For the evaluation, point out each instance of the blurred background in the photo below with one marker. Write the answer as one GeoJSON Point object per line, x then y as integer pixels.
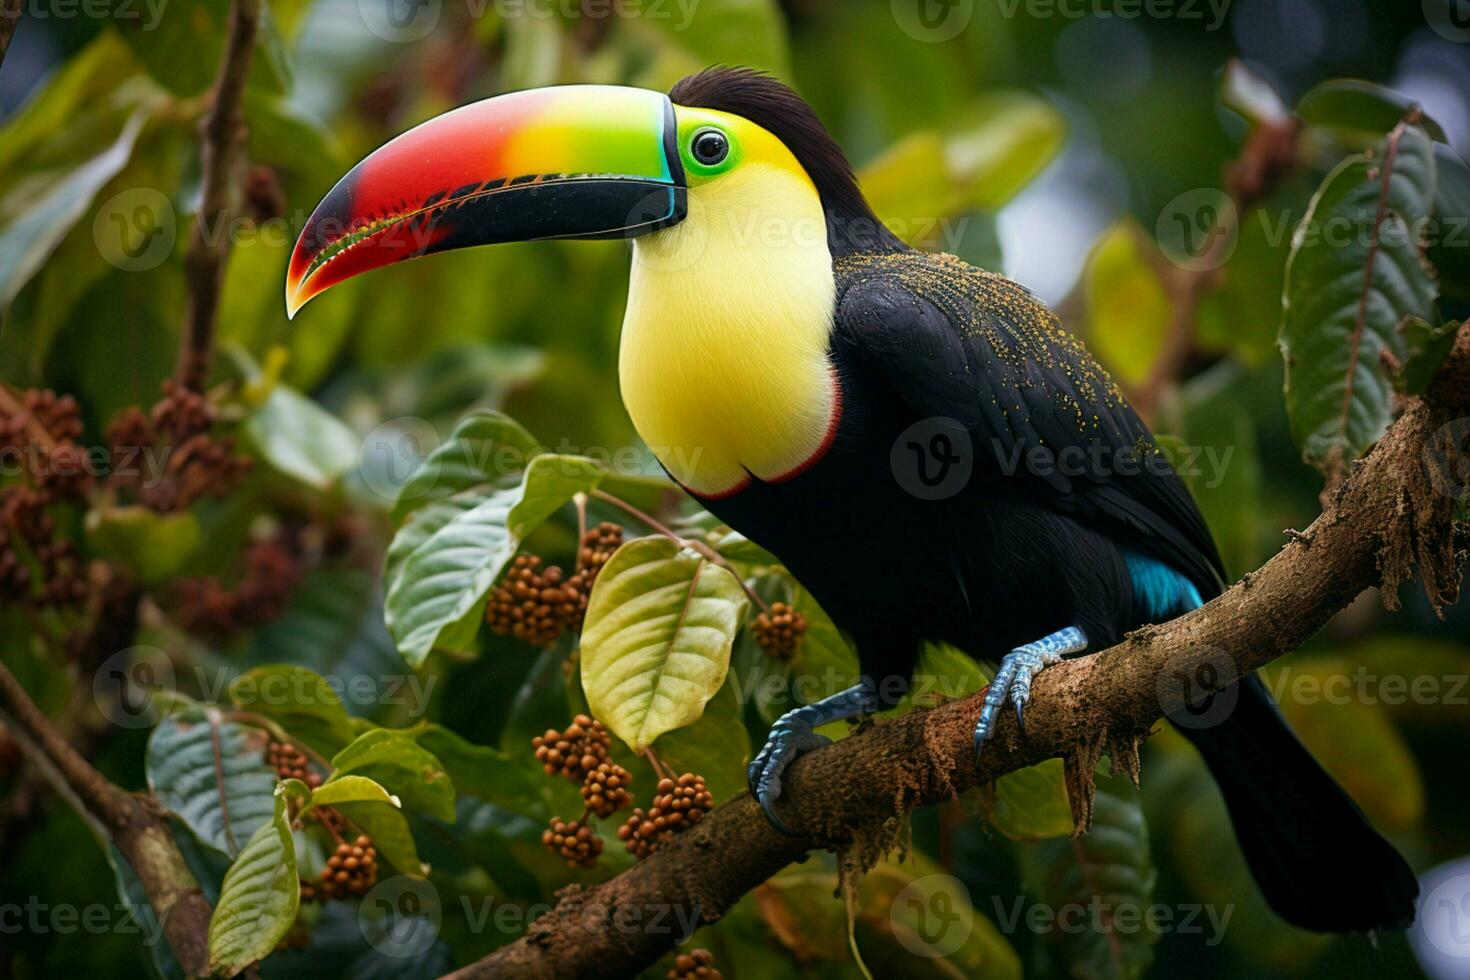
{"type": "Point", "coordinates": [1058, 141]}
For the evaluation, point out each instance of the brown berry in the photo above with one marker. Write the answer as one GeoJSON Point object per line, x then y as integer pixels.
{"type": "Point", "coordinates": [778, 630]}
{"type": "Point", "coordinates": [573, 840]}
{"type": "Point", "coordinates": [575, 752]}
{"type": "Point", "coordinates": [605, 790]}
{"type": "Point", "coordinates": [697, 964]}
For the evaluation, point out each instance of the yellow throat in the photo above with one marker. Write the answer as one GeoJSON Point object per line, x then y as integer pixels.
{"type": "Point", "coordinates": [723, 363]}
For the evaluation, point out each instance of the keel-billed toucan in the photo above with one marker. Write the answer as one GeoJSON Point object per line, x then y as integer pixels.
{"type": "Point", "coordinates": [918, 440]}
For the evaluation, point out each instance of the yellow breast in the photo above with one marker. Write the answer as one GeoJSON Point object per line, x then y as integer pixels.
{"type": "Point", "coordinates": [723, 363]}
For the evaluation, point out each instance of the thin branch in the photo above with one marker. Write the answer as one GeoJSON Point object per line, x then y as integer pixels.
{"type": "Point", "coordinates": [1397, 510]}
{"type": "Point", "coordinates": [134, 822]}
{"type": "Point", "coordinates": [222, 162]}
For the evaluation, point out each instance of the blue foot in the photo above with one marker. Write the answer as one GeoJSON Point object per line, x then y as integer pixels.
{"type": "Point", "coordinates": [1013, 678]}
{"type": "Point", "coordinates": [794, 733]}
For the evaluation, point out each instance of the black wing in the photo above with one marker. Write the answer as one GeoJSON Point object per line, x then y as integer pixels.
{"type": "Point", "coordinates": [954, 341]}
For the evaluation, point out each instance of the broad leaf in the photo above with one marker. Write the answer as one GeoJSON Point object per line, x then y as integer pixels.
{"type": "Point", "coordinates": [1110, 869]}
{"type": "Point", "coordinates": [485, 771]}
{"type": "Point", "coordinates": [153, 546]}
{"type": "Point", "coordinates": [1359, 112]}
{"type": "Point", "coordinates": [35, 233]}
{"type": "Point", "coordinates": [352, 789]}
{"type": "Point", "coordinates": [406, 769]}
{"type": "Point", "coordinates": [657, 638]}
{"type": "Point", "coordinates": [1127, 308]}
{"type": "Point", "coordinates": [259, 898]}
{"type": "Point", "coordinates": [1356, 272]}
{"type": "Point", "coordinates": [302, 440]}
{"type": "Point", "coordinates": [1029, 804]}
{"type": "Point", "coordinates": [299, 700]}
{"type": "Point", "coordinates": [436, 594]}
{"type": "Point", "coordinates": [483, 447]}
{"type": "Point", "coordinates": [213, 774]}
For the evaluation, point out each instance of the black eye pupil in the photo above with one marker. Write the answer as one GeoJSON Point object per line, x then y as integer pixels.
{"type": "Point", "coordinates": [710, 147]}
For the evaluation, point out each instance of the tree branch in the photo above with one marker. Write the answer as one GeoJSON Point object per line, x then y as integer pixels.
{"type": "Point", "coordinates": [222, 159]}
{"type": "Point", "coordinates": [1395, 512]}
{"type": "Point", "coordinates": [135, 823]}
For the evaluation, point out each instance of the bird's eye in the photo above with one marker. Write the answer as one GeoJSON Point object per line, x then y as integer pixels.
{"type": "Point", "coordinates": [709, 147]}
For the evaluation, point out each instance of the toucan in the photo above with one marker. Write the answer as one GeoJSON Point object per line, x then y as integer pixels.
{"type": "Point", "coordinates": [919, 441]}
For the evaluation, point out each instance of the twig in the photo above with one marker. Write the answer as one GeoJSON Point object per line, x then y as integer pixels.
{"type": "Point", "coordinates": [694, 544]}
{"type": "Point", "coordinates": [222, 158]}
{"type": "Point", "coordinates": [135, 823]}
{"type": "Point", "coordinates": [1394, 511]}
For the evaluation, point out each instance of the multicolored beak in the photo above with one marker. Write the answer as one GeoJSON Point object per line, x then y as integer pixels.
{"type": "Point", "coordinates": [572, 161]}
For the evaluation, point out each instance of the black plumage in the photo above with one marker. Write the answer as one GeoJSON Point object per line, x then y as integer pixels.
{"type": "Point", "coordinates": [937, 360]}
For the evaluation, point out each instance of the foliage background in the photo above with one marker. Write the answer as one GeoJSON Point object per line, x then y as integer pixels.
{"type": "Point", "coordinates": [1123, 112]}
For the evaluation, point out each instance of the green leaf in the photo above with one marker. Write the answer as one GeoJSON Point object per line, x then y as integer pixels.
{"type": "Point", "coordinates": [1029, 804]}
{"type": "Point", "coordinates": [1128, 309]}
{"type": "Point", "coordinates": [483, 447]}
{"type": "Point", "coordinates": [213, 774]}
{"type": "Point", "coordinates": [32, 235]}
{"type": "Point", "coordinates": [656, 642]}
{"type": "Point", "coordinates": [991, 150]}
{"type": "Point", "coordinates": [712, 32]}
{"type": "Point", "coordinates": [1449, 245]}
{"type": "Point", "coordinates": [259, 898]}
{"type": "Point", "coordinates": [1358, 111]}
{"type": "Point", "coordinates": [352, 789]}
{"type": "Point", "coordinates": [485, 771]}
{"type": "Point", "coordinates": [716, 746]}
{"type": "Point", "coordinates": [395, 760]}
{"type": "Point", "coordinates": [299, 700]}
{"type": "Point", "coordinates": [1251, 95]}
{"type": "Point", "coordinates": [387, 826]}
{"type": "Point", "coordinates": [302, 440]}
{"type": "Point", "coordinates": [1350, 282]}
{"type": "Point", "coordinates": [1109, 868]}
{"type": "Point", "coordinates": [153, 546]}
{"type": "Point", "coordinates": [437, 592]}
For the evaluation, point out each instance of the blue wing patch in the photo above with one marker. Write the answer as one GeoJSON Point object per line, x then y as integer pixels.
{"type": "Point", "coordinates": [1159, 591]}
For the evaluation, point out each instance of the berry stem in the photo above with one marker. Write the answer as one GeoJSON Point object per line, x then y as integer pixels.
{"type": "Point", "coordinates": [655, 524]}
{"type": "Point", "coordinates": [660, 770]}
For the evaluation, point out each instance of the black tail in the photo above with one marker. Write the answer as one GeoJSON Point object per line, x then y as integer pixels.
{"type": "Point", "coordinates": [1319, 862]}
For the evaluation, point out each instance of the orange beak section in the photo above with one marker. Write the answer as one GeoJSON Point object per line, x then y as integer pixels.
{"type": "Point", "coordinates": [574, 161]}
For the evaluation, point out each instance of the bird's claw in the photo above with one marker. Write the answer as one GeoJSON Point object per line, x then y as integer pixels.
{"type": "Point", "coordinates": [787, 740]}
{"type": "Point", "coordinates": [1013, 679]}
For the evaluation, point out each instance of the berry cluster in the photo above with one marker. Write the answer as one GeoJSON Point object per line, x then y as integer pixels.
{"type": "Point", "coordinates": [574, 840]}
{"type": "Point", "coordinates": [351, 871]}
{"type": "Point", "coordinates": [39, 430]}
{"type": "Point", "coordinates": [697, 964]}
{"type": "Point", "coordinates": [210, 608]}
{"type": "Point", "coordinates": [170, 457]}
{"type": "Point", "coordinates": [605, 790]}
{"type": "Point", "coordinates": [536, 602]}
{"type": "Point", "coordinates": [582, 748]}
{"type": "Point", "coordinates": [778, 630]}
{"type": "Point", "coordinates": [677, 804]}
{"type": "Point", "coordinates": [290, 762]}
